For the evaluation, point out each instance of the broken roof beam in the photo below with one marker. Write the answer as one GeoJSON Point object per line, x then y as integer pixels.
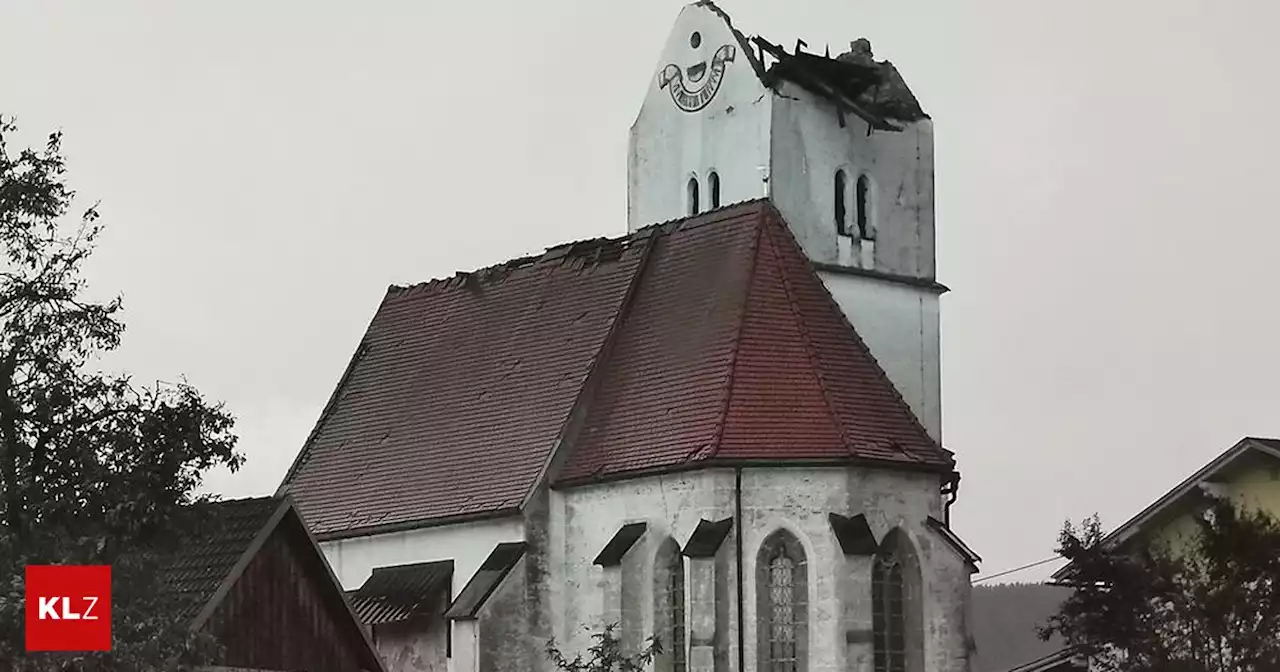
{"type": "Point", "coordinates": [842, 101]}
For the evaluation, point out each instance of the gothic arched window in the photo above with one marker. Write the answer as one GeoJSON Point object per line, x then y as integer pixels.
{"type": "Point", "coordinates": [693, 195]}
{"type": "Point", "coordinates": [896, 608]}
{"type": "Point", "coordinates": [669, 607]}
{"type": "Point", "coordinates": [782, 601]}
{"type": "Point", "coordinates": [841, 206]}
{"type": "Point", "coordinates": [713, 186]}
{"type": "Point", "coordinates": [862, 197]}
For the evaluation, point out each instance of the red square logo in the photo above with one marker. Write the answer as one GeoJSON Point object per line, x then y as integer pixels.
{"type": "Point", "coordinates": [68, 608]}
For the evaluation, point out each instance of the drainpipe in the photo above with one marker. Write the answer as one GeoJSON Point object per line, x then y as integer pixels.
{"type": "Point", "coordinates": [737, 531]}
{"type": "Point", "coordinates": [952, 490]}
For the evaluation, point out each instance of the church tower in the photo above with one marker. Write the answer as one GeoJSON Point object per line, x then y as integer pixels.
{"type": "Point", "coordinates": [838, 144]}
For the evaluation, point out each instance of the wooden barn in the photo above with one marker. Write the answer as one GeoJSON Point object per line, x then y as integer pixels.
{"type": "Point", "coordinates": [255, 579]}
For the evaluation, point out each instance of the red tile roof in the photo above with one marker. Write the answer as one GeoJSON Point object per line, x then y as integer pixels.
{"type": "Point", "coordinates": [460, 390]}
{"type": "Point", "coordinates": [708, 340]}
{"type": "Point", "coordinates": [733, 350]}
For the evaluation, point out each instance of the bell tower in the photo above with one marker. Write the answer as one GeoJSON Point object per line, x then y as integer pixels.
{"type": "Point", "coordinates": [840, 146]}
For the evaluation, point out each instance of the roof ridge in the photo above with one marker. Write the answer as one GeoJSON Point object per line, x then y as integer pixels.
{"type": "Point", "coordinates": [812, 352]}
{"type": "Point", "coordinates": [737, 342]}
{"type": "Point", "coordinates": [580, 248]}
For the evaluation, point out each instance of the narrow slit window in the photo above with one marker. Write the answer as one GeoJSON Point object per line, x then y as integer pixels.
{"type": "Point", "coordinates": [693, 196]}
{"type": "Point", "coordinates": [713, 185]}
{"type": "Point", "coordinates": [842, 220]}
{"type": "Point", "coordinates": [669, 617]}
{"type": "Point", "coordinates": [866, 229]}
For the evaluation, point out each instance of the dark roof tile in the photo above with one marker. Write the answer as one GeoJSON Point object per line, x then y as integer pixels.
{"type": "Point", "coordinates": [461, 390]}
{"type": "Point", "coordinates": [208, 552]}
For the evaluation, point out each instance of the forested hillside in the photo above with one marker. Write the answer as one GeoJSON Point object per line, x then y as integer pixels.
{"type": "Point", "coordinates": [1005, 618]}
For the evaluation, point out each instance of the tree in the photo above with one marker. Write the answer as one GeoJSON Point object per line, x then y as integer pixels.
{"type": "Point", "coordinates": [94, 469]}
{"type": "Point", "coordinates": [605, 655]}
{"type": "Point", "coordinates": [1211, 604]}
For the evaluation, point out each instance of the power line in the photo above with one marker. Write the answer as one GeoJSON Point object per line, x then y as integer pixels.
{"type": "Point", "coordinates": [1018, 569]}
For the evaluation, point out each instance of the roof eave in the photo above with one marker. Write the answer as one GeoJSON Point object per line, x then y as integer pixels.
{"type": "Point", "coordinates": [417, 524]}
{"type": "Point", "coordinates": [1134, 525]}
{"type": "Point", "coordinates": [751, 463]}
{"type": "Point", "coordinates": [923, 283]}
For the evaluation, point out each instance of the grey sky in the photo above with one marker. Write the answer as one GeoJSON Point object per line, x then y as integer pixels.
{"type": "Point", "coordinates": [1103, 171]}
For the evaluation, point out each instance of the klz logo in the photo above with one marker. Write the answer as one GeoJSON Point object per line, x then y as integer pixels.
{"type": "Point", "coordinates": [68, 608]}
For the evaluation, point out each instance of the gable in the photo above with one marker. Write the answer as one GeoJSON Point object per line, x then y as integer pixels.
{"type": "Point", "coordinates": [221, 535]}
{"type": "Point", "coordinates": [705, 65]}
{"type": "Point", "coordinates": [285, 611]}
{"type": "Point", "coordinates": [1248, 473]}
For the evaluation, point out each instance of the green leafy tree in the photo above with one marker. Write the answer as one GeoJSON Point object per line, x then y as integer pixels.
{"type": "Point", "coordinates": [1210, 605]}
{"type": "Point", "coordinates": [94, 469]}
{"type": "Point", "coordinates": [605, 654]}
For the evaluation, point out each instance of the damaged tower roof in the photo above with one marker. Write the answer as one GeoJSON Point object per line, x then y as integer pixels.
{"type": "Point", "coordinates": [853, 81]}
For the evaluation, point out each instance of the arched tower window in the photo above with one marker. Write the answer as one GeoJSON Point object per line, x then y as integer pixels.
{"type": "Point", "coordinates": [669, 608]}
{"type": "Point", "coordinates": [693, 195]}
{"type": "Point", "coordinates": [841, 205]}
{"type": "Point", "coordinates": [862, 196]}
{"type": "Point", "coordinates": [782, 601]}
{"type": "Point", "coordinates": [713, 186]}
{"type": "Point", "coordinates": [897, 624]}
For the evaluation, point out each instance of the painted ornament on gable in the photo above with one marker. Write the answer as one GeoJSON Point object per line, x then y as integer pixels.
{"type": "Point", "coordinates": [673, 79]}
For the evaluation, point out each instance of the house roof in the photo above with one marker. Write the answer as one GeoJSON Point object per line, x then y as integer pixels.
{"type": "Point", "coordinates": [704, 341]}
{"type": "Point", "coordinates": [209, 555]}
{"type": "Point", "coordinates": [204, 559]}
{"type": "Point", "coordinates": [1246, 448]}
{"type": "Point", "coordinates": [401, 592]}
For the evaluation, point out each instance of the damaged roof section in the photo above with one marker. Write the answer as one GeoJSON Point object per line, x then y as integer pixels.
{"type": "Point", "coordinates": [853, 81]}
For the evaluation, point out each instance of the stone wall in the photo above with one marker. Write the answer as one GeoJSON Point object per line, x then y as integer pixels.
{"type": "Point", "coordinates": [797, 500]}
{"type": "Point", "coordinates": [413, 646]}
{"type": "Point", "coordinates": [557, 591]}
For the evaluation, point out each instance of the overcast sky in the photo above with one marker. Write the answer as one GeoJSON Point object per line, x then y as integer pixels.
{"type": "Point", "coordinates": [1105, 174]}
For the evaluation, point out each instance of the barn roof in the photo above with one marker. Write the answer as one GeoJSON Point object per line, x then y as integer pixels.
{"type": "Point", "coordinates": [704, 341]}
{"type": "Point", "coordinates": [202, 564]}
{"type": "Point", "coordinates": [205, 557]}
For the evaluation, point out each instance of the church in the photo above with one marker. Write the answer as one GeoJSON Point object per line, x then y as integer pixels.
{"type": "Point", "coordinates": [722, 430]}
